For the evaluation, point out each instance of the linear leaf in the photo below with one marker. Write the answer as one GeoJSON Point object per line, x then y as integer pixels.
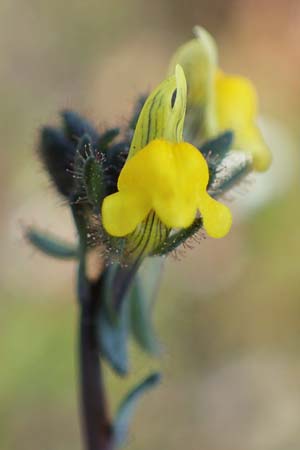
{"type": "Point", "coordinates": [128, 405]}
{"type": "Point", "coordinates": [51, 245]}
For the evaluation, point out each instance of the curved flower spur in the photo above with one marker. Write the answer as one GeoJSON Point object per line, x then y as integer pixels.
{"type": "Point", "coordinates": [191, 141]}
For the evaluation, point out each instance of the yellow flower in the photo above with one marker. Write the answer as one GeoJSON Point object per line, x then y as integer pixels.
{"type": "Point", "coordinates": [217, 102]}
{"type": "Point", "coordinates": [163, 183]}
{"type": "Point", "coordinates": [162, 117]}
{"type": "Point", "coordinates": [170, 179]}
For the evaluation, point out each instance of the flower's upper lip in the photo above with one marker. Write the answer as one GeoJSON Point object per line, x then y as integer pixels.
{"type": "Point", "coordinates": [161, 116]}
{"type": "Point", "coordinates": [208, 43]}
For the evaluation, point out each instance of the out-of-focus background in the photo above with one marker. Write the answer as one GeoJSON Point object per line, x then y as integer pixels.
{"type": "Point", "coordinates": [228, 314]}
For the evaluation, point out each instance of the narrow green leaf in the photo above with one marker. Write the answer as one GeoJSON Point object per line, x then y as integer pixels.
{"type": "Point", "coordinates": [51, 245]}
{"type": "Point", "coordinates": [118, 284]}
{"type": "Point", "coordinates": [127, 408]}
{"type": "Point", "coordinates": [106, 138]}
{"type": "Point", "coordinates": [94, 181]}
{"type": "Point", "coordinates": [113, 338]}
{"type": "Point", "coordinates": [142, 295]}
{"type": "Point", "coordinates": [113, 325]}
{"type": "Point", "coordinates": [123, 309]}
{"type": "Point", "coordinates": [141, 323]}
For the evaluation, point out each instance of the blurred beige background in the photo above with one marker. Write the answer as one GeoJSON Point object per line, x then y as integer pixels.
{"type": "Point", "coordinates": [228, 313]}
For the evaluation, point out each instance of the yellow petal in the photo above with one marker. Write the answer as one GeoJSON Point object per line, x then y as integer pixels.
{"type": "Point", "coordinates": [169, 179]}
{"type": "Point", "coordinates": [236, 99]}
{"type": "Point", "coordinates": [176, 211]}
{"type": "Point", "coordinates": [171, 175]}
{"type": "Point", "coordinates": [216, 217]}
{"type": "Point", "coordinates": [250, 139]}
{"type": "Point", "coordinates": [123, 211]}
{"type": "Point", "coordinates": [176, 201]}
{"type": "Point", "coordinates": [237, 109]}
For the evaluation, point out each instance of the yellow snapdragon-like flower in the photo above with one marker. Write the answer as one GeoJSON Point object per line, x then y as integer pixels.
{"type": "Point", "coordinates": [162, 117]}
{"type": "Point", "coordinates": [217, 101]}
{"type": "Point", "coordinates": [170, 179]}
{"type": "Point", "coordinates": [162, 185]}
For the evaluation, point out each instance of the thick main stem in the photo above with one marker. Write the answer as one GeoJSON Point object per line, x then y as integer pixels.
{"type": "Point", "coordinates": [97, 430]}
{"type": "Point", "coordinates": [96, 425]}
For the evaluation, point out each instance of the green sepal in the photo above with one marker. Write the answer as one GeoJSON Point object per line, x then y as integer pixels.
{"type": "Point", "coordinates": [230, 176]}
{"type": "Point", "coordinates": [51, 245]}
{"type": "Point", "coordinates": [83, 152]}
{"type": "Point", "coordinates": [106, 138]}
{"type": "Point", "coordinates": [57, 155]}
{"type": "Point", "coordinates": [215, 151]}
{"type": "Point", "coordinates": [219, 146]}
{"type": "Point", "coordinates": [137, 111]}
{"type": "Point", "coordinates": [75, 126]}
{"type": "Point", "coordinates": [140, 317]}
{"type": "Point", "coordinates": [127, 408]}
{"type": "Point", "coordinates": [178, 238]}
{"type": "Point", "coordinates": [93, 177]}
